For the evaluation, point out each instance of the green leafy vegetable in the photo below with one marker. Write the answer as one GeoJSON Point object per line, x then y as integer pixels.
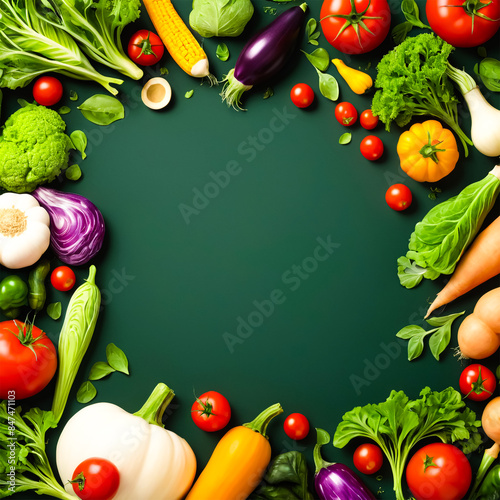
{"type": "Point", "coordinates": [117, 359]}
{"type": "Point", "coordinates": [319, 58]}
{"type": "Point", "coordinates": [410, 10]}
{"type": "Point", "coordinates": [34, 148]}
{"type": "Point", "coordinates": [54, 310]}
{"type": "Point", "coordinates": [86, 392]}
{"type": "Point", "coordinates": [102, 109]}
{"type": "Point", "coordinates": [413, 80]}
{"type": "Point", "coordinates": [73, 172]}
{"type": "Point", "coordinates": [99, 370]}
{"type": "Point", "coordinates": [311, 31]}
{"type": "Point", "coordinates": [79, 140]}
{"type": "Point", "coordinates": [345, 138]}
{"type": "Point", "coordinates": [286, 479]}
{"type": "Point", "coordinates": [189, 94]}
{"type": "Point", "coordinates": [271, 10]}
{"type": "Point", "coordinates": [222, 52]}
{"type": "Point", "coordinates": [328, 85]}
{"type": "Point", "coordinates": [399, 423]}
{"type": "Point", "coordinates": [489, 72]}
{"type": "Point", "coordinates": [30, 46]}
{"type": "Point", "coordinates": [163, 71]}
{"type": "Point", "coordinates": [268, 93]}
{"type": "Point", "coordinates": [73, 96]}
{"type": "Point", "coordinates": [220, 17]}
{"type": "Point", "coordinates": [439, 337]}
{"type": "Point", "coordinates": [64, 110]}
{"type": "Point", "coordinates": [440, 239]}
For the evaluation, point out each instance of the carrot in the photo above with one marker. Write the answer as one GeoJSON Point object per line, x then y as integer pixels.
{"type": "Point", "coordinates": [479, 263]}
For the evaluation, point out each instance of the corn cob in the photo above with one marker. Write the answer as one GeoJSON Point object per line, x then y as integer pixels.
{"type": "Point", "coordinates": [179, 41]}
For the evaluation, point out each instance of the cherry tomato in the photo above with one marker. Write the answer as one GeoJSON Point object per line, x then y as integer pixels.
{"type": "Point", "coordinates": [368, 458]}
{"type": "Point", "coordinates": [367, 120]}
{"type": "Point", "coordinates": [47, 91]}
{"type": "Point", "coordinates": [355, 26]}
{"type": "Point", "coordinates": [28, 360]}
{"type": "Point", "coordinates": [464, 24]}
{"type": "Point", "coordinates": [63, 278]}
{"type": "Point", "coordinates": [372, 147]}
{"type": "Point", "coordinates": [211, 411]}
{"type": "Point", "coordinates": [302, 95]}
{"type": "Point", "coordinates": [477, 382]}
{"type": "Point", "coordinates": [346, 114]}
{"type": "Point", "coordinates": [398, 197]}
{"type": "Point", "coordinates": [145, 48]}
{"type": "Point", "coordinates": [296, 426]}
{"type": "Point", "coordinates": [439, 471]}
{"type": "Point", "coordinates": [96, 479]}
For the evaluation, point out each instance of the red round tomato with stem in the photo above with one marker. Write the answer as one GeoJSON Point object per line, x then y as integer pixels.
{"type": "Point", "coordinates": [28, 360]}
{"type": "Point", "coordinates": [355, 26]}
{"type": "Point", "coordinates": [296, 426]}
{"type": "Point", "coordinates": [96, 479]}
{"type": "Point", "coordinates": [47, 90]}
{"type": "Point", "coordinates": [477, 382]}
{"type": "Point", "coordinates": [462, 23]}
{"type": "Point", "coordinates": [398, 197]}
{"type": "Point", "coordinates": [346, 114]}
{"type": "Point", "coordinates": [368, 458]}
{"type": "Point", "coordinates": [211, 411]}
{"type": "Point", "coordinates": [439, 471]}
{"type": "Point", "coordinates": [145, 48]}
{"type": "Point", "coordinates": [372, 147]}
{"type": "Point", "coordinates": [63, 278]}
{"type": "Point", "coordinates": [367, 120]}
{"type": "Point", "coordinates": [302, 95]}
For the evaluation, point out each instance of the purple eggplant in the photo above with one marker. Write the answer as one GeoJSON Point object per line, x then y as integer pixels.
{"type": "Point", "coordinates": [336, 481]}
{"type": "Point", "coordinates": [264, 55]}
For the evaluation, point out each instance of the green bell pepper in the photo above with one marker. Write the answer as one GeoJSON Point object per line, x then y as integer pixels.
{"type": "Point", "coordinates": [490, 487]}
{"type": "Point", "coordinates": [13, 296]}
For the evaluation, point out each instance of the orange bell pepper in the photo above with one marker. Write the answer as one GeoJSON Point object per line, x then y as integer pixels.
{"type": "Point", "coordinates": [238, 462]}
{"type": "Point", "coordinates": [427, 152]}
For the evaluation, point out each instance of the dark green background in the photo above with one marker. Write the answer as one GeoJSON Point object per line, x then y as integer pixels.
{"type": "Point", "coordinates": [172, 289]}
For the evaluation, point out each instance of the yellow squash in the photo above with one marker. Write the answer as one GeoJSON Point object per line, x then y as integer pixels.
{"type": "Point", "coordinates": [427, 152]}
{"type": "Point", "coordinates": [238, 462]}
{"type": "Point", "coordinates": [358, 81]}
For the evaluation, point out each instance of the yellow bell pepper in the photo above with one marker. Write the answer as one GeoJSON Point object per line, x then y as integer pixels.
{"type": "Point", "coordinates": [427, 152]}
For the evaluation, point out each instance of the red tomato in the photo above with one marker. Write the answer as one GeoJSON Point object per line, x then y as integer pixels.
{"type": "Point", "coordinates": [28, 360]}
{"type": "Point", "coordinates": [47, 91]}
{"type": "Point", "coordinates": [398, 197]}
{"type": "Point", "coordinates": [346, 114]}
{"type": "Point", "coordinates": [355, 26]}
{"type": "Point", "coordinates": [477, 382]}
{"type": "Point", "coordinates": [296, 426]}
{"type": "Point", "coordinates": [464, 24]}
{"type": "Point", "coordinates": [439, 471]}
{"type": "Point", "coordinates": [145, 48]}
{"type": "Point", "coordinates": [211, 411]}
{"type": "Point", "coordinates": [96, 479]}
{"type": "Point", "coordinates": [371, 147]}
{"type": "Point", "coordinates": [302, 95]}
{"type": "Point", "coordinates": [63, 278]}
{"type": "Point", "coordinates": [368, 458]}
{"type": "Point", "coordinates": [367, 120]}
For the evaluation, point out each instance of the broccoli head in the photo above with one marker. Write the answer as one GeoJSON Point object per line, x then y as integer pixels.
{"type": "Point", "coordinates": [34, 148]}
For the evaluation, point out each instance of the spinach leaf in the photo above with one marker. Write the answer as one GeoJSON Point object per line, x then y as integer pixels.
{"type": "Point", "coordinates": [489, 72]}
{"type": "Point", "coordinates": [102, 109]}
{"type": "Point", "coordinates": [319, 58]}
{"type": "Point", "coordinates": [99, 370]}
{"type": "Point", "coordinates": [345, 138]}
{"type": "Point", "coordinates": [79, 140]}
{"type": "Point", "coordinates": [116, 358]}
{"type": "Point", "coordinates": [73, 96]}
{"type": "Point", "coordinates": [73, 172]}
{"type": "Point", "coordinates": [328, 86]}
{"type": "Point", "coordinates": [311, 31]}
{"type": "Point", "coordinates": [222, 52]}
{"type": "Point", "coordinates": [64, 110]}
{"type": "Point", "coordinates": [87, 392]}
{"type": "Point", "coordinates": [54, 310]}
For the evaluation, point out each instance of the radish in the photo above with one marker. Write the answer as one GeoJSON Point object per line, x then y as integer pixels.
{"type": "Point", "coordinates": [264, 55]}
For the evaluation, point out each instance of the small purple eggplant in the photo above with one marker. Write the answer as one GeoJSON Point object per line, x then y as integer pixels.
{"type": "Point", "coordinates": [336, 481]}
{"type": "Point", "coordinates": [264, 55]}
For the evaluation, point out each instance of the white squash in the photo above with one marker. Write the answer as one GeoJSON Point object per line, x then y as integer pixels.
{"type": "Point", "coordinates": [24, 230]}
{"type": "Point", "coordinates": [154, 463]}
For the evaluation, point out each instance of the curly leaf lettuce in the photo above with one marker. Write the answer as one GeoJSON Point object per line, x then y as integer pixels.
{"type": "Point", "coordinates": [440, 239]}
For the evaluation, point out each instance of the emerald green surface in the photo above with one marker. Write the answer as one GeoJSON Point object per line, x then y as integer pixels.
{"type": "Point", "coordinates": [251, 254]}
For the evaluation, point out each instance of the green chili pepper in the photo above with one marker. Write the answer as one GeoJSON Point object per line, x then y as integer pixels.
{"type": "Point", "coordinates": [490, 487]}
{"type": "Point", "coordinates": [13, 295]}
{"type": "Point", "coordinates": [36, 281]}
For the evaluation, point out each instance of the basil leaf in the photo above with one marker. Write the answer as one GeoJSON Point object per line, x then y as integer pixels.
{"type": "Point", "coordinates": [415, 334]}
{"type": "Point", "coordinates": [410, 331]}
{"type": "Point", "coordinates": [441, 338]}
{"type": "Point", "coordinates": [64, 110]}
{"type": "Point", "coordinates": [328, 86]}
{"type": "Point", "coordinates": [117, 359]}
{"type": "Point", "coordinates": [345, 138]}
{"type": "Point", "coordinates": [222, 52]}
{"type": "Point", "coordinates": [319, 58]}
{"type": "Point", "coordinates": [73, 96]}
{"type": "Point", "coordinates": [54, 310]}
{"type": "Point", "coordinates": [87, 392]}
{"type": "Point", "coordinates": [99, 370]}
{"type": "Point", "coordinates": [189, 94]}
{"type": "Point", "coordinates": [73, 172]}
{"type": "Point", "coordinates": [79, 140]}
{"type": "Point", "coordinates": [102, 109]}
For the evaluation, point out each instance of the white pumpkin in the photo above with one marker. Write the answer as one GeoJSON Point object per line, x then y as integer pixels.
{"type": "Point", "coordinates": [24, 230]}
{"type": "Point", "coordinates": [154, 463]}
